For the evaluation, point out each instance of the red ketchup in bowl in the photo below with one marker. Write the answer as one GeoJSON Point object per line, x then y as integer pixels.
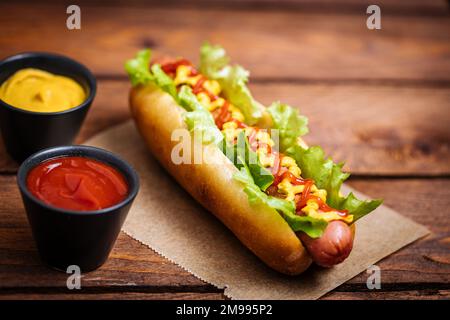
{"type": "Point", "coordinates": [77, 183]}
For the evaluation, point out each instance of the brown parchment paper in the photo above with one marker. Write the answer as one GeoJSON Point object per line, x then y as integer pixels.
{"type": "Point", "coordinates": [169, 221]}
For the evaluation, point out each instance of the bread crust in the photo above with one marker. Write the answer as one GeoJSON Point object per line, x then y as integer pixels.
{"type": "Point", "coordinates": [262, 229]}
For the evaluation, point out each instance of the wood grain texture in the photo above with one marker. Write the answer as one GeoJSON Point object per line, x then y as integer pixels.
{"type": "Point", "coordinates": [335, 295]}
{"type": "Point", "coordinates": [380, 130]}
{"type": "Point", "coordinates": [331, 6]}
{"type": "Point", "coordinates": [20, 266]}
{"type": "Point", "coordinates": [396, 295]}
{"type": "Point", "coordinates": [272, 45]}
{"type": "Point", "coordinates": [376, 129]}
{"type": "Point", "coordinates": [134, 268]}
{"type": "Point", "coordinates": [114, 296]}
{"type": "Point", "coordinates": [378, 99]}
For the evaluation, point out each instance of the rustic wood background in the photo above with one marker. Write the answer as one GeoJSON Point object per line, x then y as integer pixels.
{"type": "Point", "coordinates": [378, 99]}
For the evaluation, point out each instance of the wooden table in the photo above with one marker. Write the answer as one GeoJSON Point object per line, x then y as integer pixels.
{"type": "Point", "coordinates": [379, 99]}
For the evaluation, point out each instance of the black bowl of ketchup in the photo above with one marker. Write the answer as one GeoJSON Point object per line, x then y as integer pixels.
{"type": "Point", "coordinates": [76, 199]}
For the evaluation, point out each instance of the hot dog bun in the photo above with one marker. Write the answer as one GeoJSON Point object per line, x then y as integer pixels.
{"type": "Point", "coordinates": [262, 229]}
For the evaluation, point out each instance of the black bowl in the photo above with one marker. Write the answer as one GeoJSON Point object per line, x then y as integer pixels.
{"type": "Point", "coordinates": [26, 132]}
{"type": "Point", "coordinates": [82, 238]}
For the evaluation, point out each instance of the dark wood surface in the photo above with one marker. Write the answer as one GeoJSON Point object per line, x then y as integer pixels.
{"type": "Point", "coordinates": [377, 99]}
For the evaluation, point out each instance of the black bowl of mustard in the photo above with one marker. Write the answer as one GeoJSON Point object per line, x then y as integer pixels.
{"type": "Point", "coordinates": [83, 237]}
{"type": "Point", "coordinates": [24, 131]}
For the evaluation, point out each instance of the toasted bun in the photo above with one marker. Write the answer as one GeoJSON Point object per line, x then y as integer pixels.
{"type": "Point", "coordinates": [260, 228]}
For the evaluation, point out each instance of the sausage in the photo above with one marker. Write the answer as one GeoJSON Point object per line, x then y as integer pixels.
{"type": "Point", "coordinates": [333, 247]}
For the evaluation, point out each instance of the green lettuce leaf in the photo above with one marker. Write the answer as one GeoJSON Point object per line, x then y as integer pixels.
{"type": "Point", "coordinates": [329, 176]}
{"type": "Point", "coordinates": [311, 226]}
{"type": "Point", "coordinates": [197, 118]}
{"type": "Point", "coordinates": [163, 81]}
{"type": "Point", "coordinates": [137, 68]}
{"type": "Point", "coordinates": [242, 155]}
{"type": "Point", "coordinates": [232, 79]}
{"type": "Point", "coordinates": [189, 101]}
{"type": "Point", "coordinates": [262, 177]}
{"type": "Point", "coordinates": [357, 207]}
{"type": "Point", "coordinates": [139, 73]}
{"type": "Point", "coordinates": [289, 123]}
{"type": "Point", "coordinates": [212, 60]}
{"type": "Point", "coordinates": [255, 195]}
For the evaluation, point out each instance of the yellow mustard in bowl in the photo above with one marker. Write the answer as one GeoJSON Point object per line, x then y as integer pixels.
{"type": "Point", "coordinates": [41, 91]}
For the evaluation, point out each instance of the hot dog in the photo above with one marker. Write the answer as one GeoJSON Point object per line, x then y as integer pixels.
{"type": "Point", "coordinates": [333, 247]}
{"type": "Point", "coordinates": [280, 198]}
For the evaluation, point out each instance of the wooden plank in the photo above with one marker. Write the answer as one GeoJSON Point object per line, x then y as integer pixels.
{"type": "Point", "coordinates": [332, 5]}
{"type": "Point", "coordinates": [380, 130]}
{"type": "Point", "coordinates": [377, 129]}
{"type": "Point", "coordinates": [131, 264]}
{"type": "Point", "coordinates": [395, 295]}
{"type": "Point", "coordinates": [427, 260]}
{"type": "Point", "coordinates": [132, 267]}
{"type": "Point", "coordinates": [405, 6]}
{"type": "Point", "coordinates": [114, 296]}
{"type": "Point", "coordinates": [273, 45]}
{"type": "Point", "coordinates": [375, 295]}
{"type": "Point", "coordinates": [418, 7]}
